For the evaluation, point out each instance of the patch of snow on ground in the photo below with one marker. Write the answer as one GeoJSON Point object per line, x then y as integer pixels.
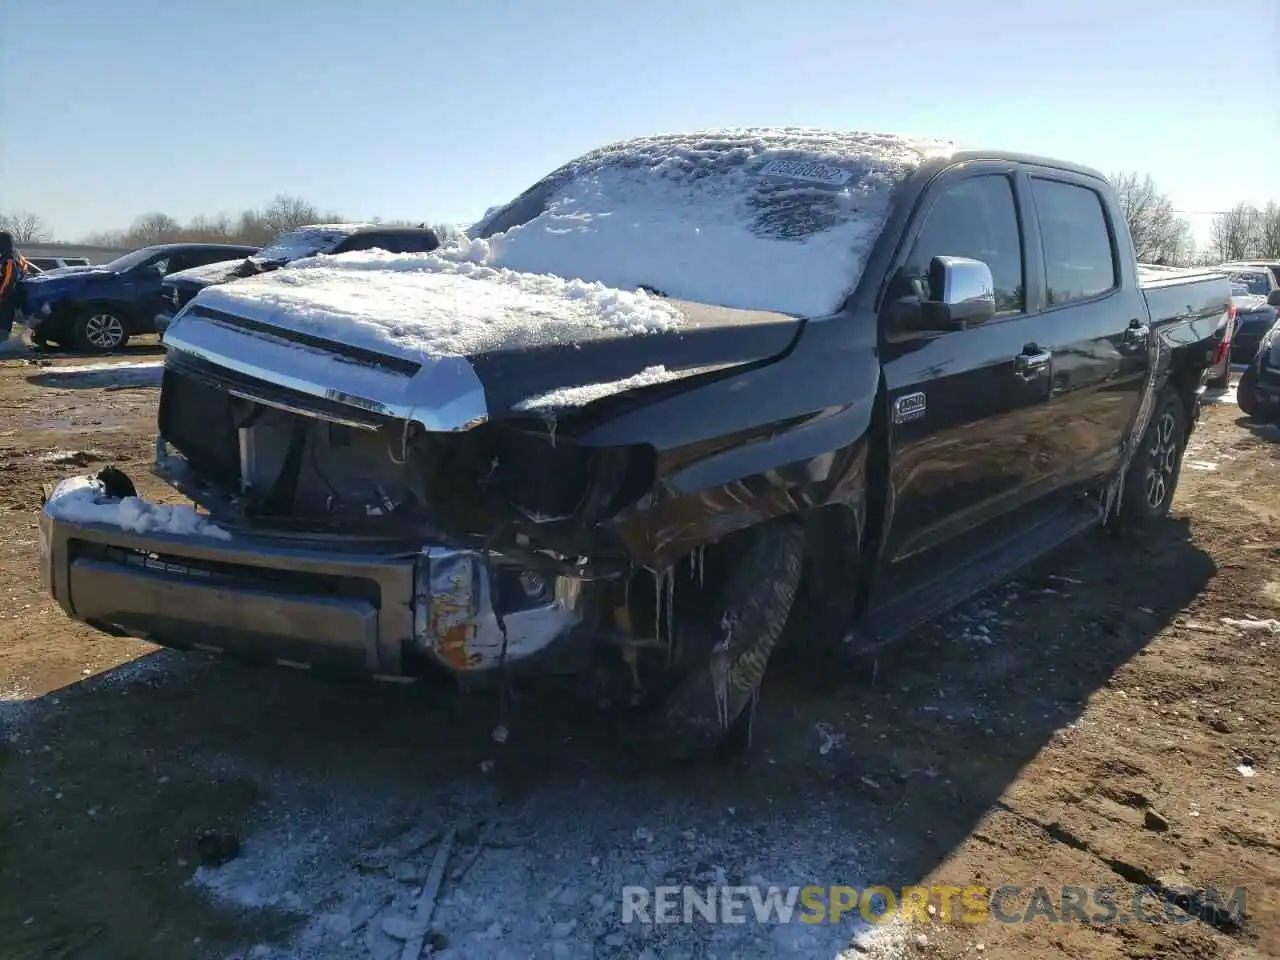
{"type": "Point", "coordinates": [543, 877]}
{"type": "Point", "coordinates": [142, 373]}
{"type": "Point", "coordinates": [1254, 626]}
{"type": "Point", "coordinates": [69, 456]}
{"type": "Point", "coordinates": [16, 705]}
{"type": "Point", "coordinates": [1224, 395]}
{"type": "Point", "coordinates": [452, 302]}
{"type": "Point", "coordinates": [81, 500]}
{"type": "Point", "coordinates": [149, 669]}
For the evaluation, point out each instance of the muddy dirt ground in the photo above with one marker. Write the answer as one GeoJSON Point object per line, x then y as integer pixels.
{"type": "Point", "coordinates": [1094, 724]}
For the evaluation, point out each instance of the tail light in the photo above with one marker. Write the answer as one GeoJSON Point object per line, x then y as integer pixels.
{"type": "Point", "coordinates": [1225, 345]}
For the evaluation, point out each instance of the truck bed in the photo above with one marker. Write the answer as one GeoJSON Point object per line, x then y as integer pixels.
{"type": "Point", "coordinates": [1191, 294]}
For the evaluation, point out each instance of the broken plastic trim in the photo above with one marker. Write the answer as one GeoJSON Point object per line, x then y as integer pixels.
{"type": "Point", "coordinates": [457, 620]}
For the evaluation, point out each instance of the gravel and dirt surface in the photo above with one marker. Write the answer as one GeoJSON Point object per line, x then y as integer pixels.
{"type": "Point", "coordinates": [1094, 724]}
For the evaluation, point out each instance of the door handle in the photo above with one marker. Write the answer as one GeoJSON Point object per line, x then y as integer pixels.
{"type": "Point", "coordinates": [1031, 361]}
{"type": "Point", "coordinates": [1137, 332]}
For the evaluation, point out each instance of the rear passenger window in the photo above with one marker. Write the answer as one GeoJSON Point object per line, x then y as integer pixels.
{"type": "Point", "coordinates": [1079, 261]}
{"type": "Point", "coordinates": [975, 218]}
{"type": "Point", "coordinates": [363, 241]}
{"type": "Point", "coordinates": [202, 258]}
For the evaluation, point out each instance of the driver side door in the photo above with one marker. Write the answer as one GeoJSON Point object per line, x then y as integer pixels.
{"type": "Point", "coordinates": [148, 290]}
{"type": "Point", "coordinates": [965, 406]}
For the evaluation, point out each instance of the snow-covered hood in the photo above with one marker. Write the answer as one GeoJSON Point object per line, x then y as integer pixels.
{"type": "Point", "coordinates": [207, 274]}
{"type": "Point", "coordinates": [451, 341]}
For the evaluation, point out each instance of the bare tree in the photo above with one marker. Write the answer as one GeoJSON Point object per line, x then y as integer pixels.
{"type": "Point", "coordinates": [209, 229]}
{"type": "Point", "coordinates": [1235, 234]}
{"type": "Point", "coordinates": [25, 227]}
{"type": "Point", "coordinates": [107, 238]}
{"type": "Point", "coordinates": [1269, 231]}
{"type": "Point", "coordinates": [1159, 234]}
{"type": "Point", "coordinates": [286, 213]}
{"type": "Point", "coordinates": [153, 228]}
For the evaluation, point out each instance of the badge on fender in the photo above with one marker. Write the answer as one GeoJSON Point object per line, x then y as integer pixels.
{"type": "Point", "coordinates": [910, 406]}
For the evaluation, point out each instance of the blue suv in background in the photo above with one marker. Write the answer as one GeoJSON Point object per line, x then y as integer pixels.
{"type": "Point", "coordinates": [98, 308]}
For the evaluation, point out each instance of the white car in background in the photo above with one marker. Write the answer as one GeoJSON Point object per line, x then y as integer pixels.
{"type": "Point", "coordinates": [53, 263]}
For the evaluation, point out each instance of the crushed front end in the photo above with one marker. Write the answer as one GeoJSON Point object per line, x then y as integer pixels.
{"type": "Point", "coordinates": [389, 513]}
{"type": "Point", "coordinates": [327, 536]}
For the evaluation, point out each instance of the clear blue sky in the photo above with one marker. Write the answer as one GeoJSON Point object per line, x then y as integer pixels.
{"type": "Point", "coordinates": [437, 109]}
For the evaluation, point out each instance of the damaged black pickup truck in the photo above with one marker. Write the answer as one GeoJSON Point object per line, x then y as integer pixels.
{"type": "Point", "coordinates": [684, 401]}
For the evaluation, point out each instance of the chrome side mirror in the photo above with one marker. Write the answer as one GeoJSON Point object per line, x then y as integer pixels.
{"type": "Point", "coordinates": [961, 294]}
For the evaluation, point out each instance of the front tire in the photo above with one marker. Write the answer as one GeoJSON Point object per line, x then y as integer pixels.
{"type": "Point", "coordinates": [712, 705]}
{"type": "Point", "coordinates": [98, 330]}
{"type": "Point", "coordinates": [1153, 473]}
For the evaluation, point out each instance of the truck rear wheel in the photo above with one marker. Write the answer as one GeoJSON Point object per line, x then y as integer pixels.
{"type": "Point", "coordinates": [726, 654]}
{"type": "Point", "coordinates": [1153, 473]}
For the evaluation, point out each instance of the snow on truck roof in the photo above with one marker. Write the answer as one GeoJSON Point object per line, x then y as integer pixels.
{"type": "Point", "coordinates": [778, 219]}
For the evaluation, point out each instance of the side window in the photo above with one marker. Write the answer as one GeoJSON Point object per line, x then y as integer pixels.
{"type": "Point", "coordinates": [1079, 261]}
{"type": "Point", "coordinates": [418, 243]}
{"type": "Point", "coordinates": [362, 241]}
{"type": "Point", "coordinates": [161, 266]}
{"type": "Point", "coordinates": [976, 218]}
{"type": "Point", "coordinates": [201, 258]}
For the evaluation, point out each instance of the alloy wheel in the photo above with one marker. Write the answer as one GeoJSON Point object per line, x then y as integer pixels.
{"type": "Point", "coordinates": [1162, 461]}
{"type": "Point", "coordinates": [104, 331]}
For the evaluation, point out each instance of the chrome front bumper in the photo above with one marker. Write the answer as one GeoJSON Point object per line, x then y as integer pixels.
{"type": "Point", "coordinates": [323, 606]}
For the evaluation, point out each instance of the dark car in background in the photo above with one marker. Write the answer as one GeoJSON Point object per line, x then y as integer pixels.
{"type": "Point", "coordinates": [1253, 266]}
{"type": "Point", "coordinates": [308, 241]}
{"type": "Point", "coordinates": [1254, 317]}
{"type": "Point", "coordinates": [99, 308]}
{"type": "Point", "coordinates": [1258, 392]}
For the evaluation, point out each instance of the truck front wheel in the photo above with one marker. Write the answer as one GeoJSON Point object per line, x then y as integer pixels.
{"type": "Point", "coordinates": [726, 654]}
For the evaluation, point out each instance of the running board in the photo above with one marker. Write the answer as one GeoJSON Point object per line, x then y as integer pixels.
{"type": "Point", "coordinates": [907, 611]}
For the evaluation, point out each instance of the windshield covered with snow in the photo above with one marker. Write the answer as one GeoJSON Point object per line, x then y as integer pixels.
{"type": "Point", "coordinates": [303, 242]}
{"type": "Point", "coordinates": [772, 219]}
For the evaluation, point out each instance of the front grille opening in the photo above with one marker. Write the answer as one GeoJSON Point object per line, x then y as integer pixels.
{"type": "Point", "coordinates": [232, 575]}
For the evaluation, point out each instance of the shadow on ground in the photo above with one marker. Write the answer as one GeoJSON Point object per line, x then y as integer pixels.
{"type": "Point", "coordinates": [1261, 429]}
{"type": "Point", "coordinates": [146, 347]}
{"type": "Point", "coordinates": [111, 782]}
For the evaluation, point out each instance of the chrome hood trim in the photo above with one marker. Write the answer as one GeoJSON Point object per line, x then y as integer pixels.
{"type": "Point", "coordinates": [442, 394]}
